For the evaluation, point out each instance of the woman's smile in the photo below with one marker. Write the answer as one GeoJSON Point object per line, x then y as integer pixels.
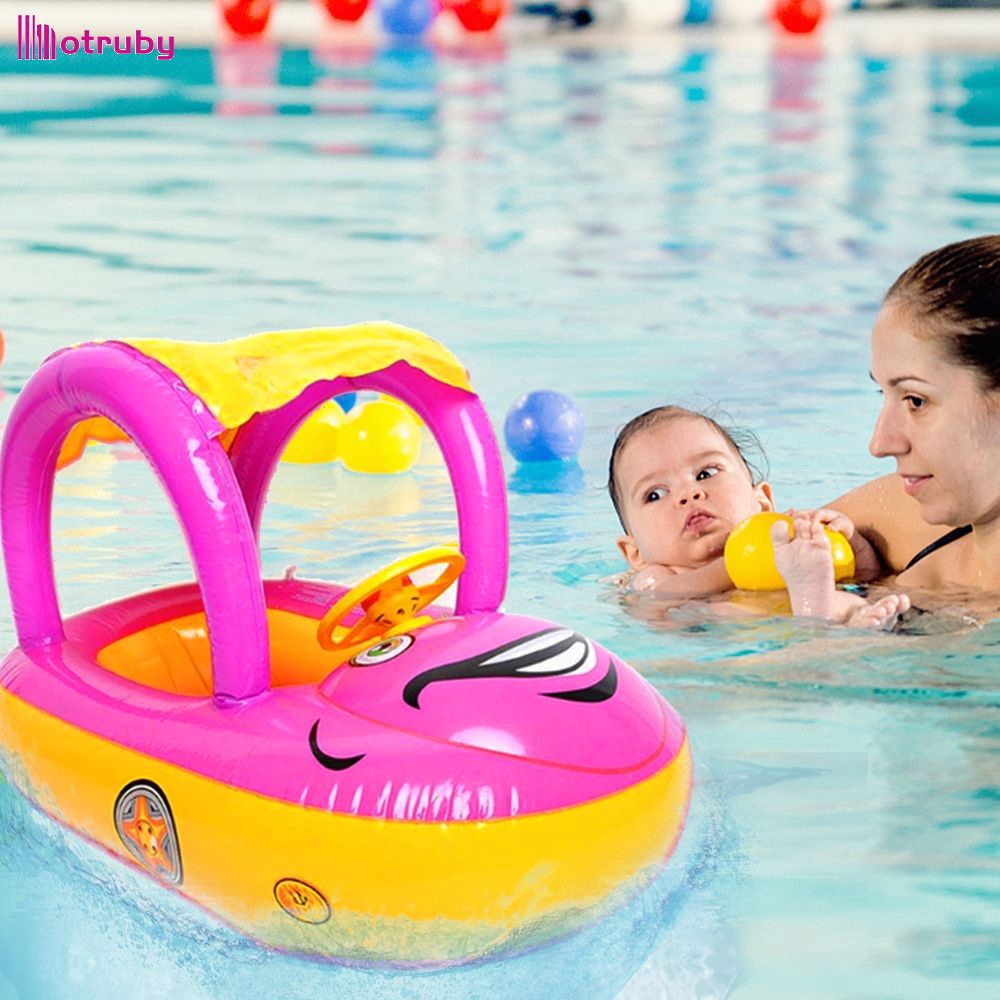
{"type": "Point", "coordinates": [912, 484]}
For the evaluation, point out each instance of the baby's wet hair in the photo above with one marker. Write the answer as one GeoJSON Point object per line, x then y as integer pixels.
{"type": "Point", "coordinates": [743, 441]}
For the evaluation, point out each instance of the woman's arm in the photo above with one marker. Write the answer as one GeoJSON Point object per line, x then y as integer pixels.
{"type": "Point", "coordinates": [890, 519]}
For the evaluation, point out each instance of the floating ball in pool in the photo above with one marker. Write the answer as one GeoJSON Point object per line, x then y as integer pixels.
{"type": "Point", "coordinates": [698, 12]}
{"type": "Point", "coordinates": [749, 553]}
{"type": "Point", "coordinates": [379, 437]}
{"type": "Point", "coordinates": [246, 17]}
{"type": "Point", "coordinates": [544, 426]}
{"type": "Point", "coordinates": [317, 438]}
{"type": "Point", "coordinates": [478, 15]}
{"type": "Point", "coordinates": [799, 16]}
{"type": "Point", "coordinates": [345, 10]}
{"type": "Point", "coordinates": [406, 18]}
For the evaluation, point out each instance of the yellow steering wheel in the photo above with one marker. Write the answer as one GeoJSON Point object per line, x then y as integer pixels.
{"type": "Point", "coordinates": [390, 599]}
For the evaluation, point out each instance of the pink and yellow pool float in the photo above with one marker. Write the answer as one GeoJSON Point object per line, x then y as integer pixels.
{"type": "Point", "coordinates": [355, 773]}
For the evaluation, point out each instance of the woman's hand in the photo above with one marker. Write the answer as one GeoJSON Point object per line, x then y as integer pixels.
{"type": "Point", "coordinates": [867, 565]}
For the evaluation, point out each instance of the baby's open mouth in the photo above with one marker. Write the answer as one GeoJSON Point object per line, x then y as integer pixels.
{"type": "Point", "coordinates": [698, 520]}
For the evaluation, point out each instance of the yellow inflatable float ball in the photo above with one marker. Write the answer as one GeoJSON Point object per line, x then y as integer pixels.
{"type": "Point", "coordinates": [749, 553]}
{"type": "Point", "coordinates": [318, 437]}
{"type": "Point", "coordinates": [381, 437]}
{"type": "Point", "coordinates": [412, 413]}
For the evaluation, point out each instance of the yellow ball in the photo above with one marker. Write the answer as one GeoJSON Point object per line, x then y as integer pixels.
{"type": "Point", "coordinates": [413, 413]}
{"type": "Point", "coordinates": [317, 438]}
{"type": "Point", "coordinates": [749, 553]}
{"type": "Point", "coordinates": [380, 437]}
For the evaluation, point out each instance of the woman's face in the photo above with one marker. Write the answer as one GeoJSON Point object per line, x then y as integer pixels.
{"type": "Point", "coordinates": [937, 422]}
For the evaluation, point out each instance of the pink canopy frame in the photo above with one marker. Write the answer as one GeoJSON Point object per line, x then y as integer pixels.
{"type": "Point", "coordinates": [219, 497]}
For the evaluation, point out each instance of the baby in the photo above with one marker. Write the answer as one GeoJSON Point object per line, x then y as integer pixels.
{"type": "Point", "coordinates": [680, 484]}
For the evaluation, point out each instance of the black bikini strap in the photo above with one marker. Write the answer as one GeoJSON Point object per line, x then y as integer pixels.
{"type": "Point", "coordinates": [939, 543]}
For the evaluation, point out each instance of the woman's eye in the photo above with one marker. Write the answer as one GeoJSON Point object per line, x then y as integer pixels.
{"type": "Point", "coordinates": [653, 495]}
{"type": "Point", "coordinates": [707, 472]}
{"type": "Point", "coordinates": [914, 402]}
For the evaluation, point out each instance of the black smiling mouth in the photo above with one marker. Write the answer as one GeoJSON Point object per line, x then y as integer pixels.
{"type": "Point", "coordinates": [328, 761]}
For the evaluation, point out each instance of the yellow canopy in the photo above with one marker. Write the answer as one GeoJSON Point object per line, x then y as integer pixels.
{"type": "Point", "coordinates": [238, 378]}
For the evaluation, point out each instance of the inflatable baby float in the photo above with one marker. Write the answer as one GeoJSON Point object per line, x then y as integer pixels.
{"type": "Point", "coordinates": [358, 772]}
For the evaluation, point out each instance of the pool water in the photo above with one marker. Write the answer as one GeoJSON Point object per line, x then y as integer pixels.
{"type": "Point", "coordinates": [702, 224]}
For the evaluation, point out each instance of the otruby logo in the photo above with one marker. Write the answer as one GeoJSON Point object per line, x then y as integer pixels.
{"type": "Point", "coordinates": [40, 41]}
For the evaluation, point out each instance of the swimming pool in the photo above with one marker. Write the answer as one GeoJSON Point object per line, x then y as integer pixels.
{"type": "Point", "coordinates": [710, 221]}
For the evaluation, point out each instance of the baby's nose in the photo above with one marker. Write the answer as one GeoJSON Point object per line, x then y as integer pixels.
{"type": "Point", "coordinates": [689, 495]}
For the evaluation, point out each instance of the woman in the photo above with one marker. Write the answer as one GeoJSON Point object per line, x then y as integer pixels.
{"type": "Point", "coordinates": [936, 359]}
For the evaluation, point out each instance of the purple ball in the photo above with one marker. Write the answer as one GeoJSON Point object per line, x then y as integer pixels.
{"type": "Point", "coordinates": [544, 426]}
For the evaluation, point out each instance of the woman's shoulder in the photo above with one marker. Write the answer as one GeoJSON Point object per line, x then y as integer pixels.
{"type": "Point", "coordinates": [890, 519]}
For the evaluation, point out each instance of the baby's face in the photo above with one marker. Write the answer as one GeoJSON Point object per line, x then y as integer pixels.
{"type": "Point", "coordinates": [683, 488]}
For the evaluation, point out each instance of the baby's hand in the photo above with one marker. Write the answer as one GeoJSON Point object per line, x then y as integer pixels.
{"type": "Point", "coordinates": [829, 518]}
{"type": "Point", "coordinates": [867, 565]}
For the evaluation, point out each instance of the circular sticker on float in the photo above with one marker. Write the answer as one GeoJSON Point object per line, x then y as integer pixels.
{"type": "Point", "coordinates": [300, 900]}
{"type": "Point", "coordinates": [146, 827]}
{"type": "Point", "coordinates": [383, 651]}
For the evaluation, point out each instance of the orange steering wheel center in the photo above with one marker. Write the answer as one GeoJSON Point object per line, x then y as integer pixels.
{"type": "Point", "coordinates": [389, 598]}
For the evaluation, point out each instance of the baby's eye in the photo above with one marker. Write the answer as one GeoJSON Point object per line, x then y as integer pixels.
{"type": "Point", "coordinates": [707, 472]}
{"type": "Point", "coordinates": [653, 495]}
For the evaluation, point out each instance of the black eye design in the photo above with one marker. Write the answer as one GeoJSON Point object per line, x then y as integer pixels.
{"type": "Point", "coordinates": [556, 652]}
{"type": "Point", "coordinates": [559, 652]}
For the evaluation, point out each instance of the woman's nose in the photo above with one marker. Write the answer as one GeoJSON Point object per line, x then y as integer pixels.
{"type": "Point", "coordinates": [887, 436]}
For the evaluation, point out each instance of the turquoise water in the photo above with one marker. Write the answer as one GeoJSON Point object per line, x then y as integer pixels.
{"type": "Point", "coordinates": [625, 227]}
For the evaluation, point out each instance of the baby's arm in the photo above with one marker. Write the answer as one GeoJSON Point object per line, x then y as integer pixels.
{"type": "Point", "coordinates": [711, 578]}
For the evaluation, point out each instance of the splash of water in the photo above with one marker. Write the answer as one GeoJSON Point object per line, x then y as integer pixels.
{"type": "Point", "coordinates": [77, 924]}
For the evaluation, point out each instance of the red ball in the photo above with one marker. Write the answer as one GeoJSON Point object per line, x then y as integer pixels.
{"type": "Point", "coordinates": [246, 17]}
{"type": "Point", "coordinates": [346, 10]}
{"type": "Point", "coordinates": [478, 15]}
{"type": "Point", "coordinates": [799, 16]}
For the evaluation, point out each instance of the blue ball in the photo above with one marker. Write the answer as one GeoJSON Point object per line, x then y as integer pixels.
{"type": "Point", "coordinates": [698, 12]}
{"type": "Point", "coordinates": [408, 18]}
{"type": "Point", "coordinates": [544, 426]}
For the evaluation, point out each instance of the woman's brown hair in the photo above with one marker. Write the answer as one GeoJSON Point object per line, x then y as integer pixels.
{"type": "Point", "coordinates": [954, 292]}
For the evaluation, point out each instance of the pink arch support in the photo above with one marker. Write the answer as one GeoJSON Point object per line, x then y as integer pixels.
{"type": "Point", "coordinates": [459, 423]}
{"type": "Point", "coordinates": [177, 435]}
